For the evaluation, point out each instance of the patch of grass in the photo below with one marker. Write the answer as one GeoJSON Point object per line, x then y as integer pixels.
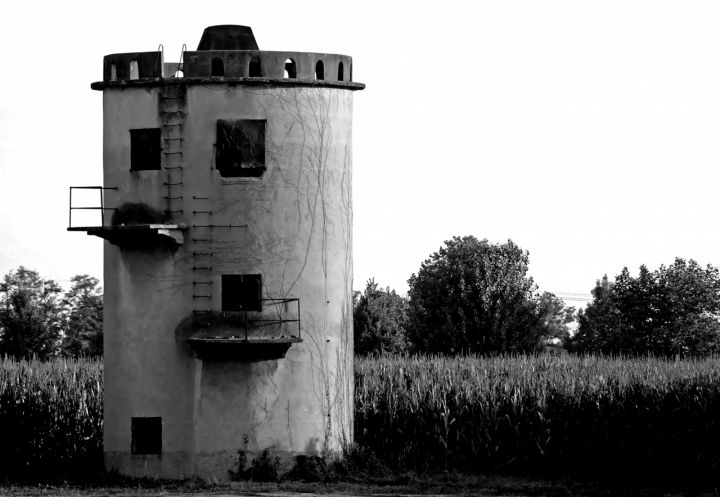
{"type": "Point", "coordinates": [265, 467]}
{"type": "Point", "coordinates": [436, 484]}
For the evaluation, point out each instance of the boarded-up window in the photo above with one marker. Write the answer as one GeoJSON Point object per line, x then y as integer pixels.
{"type": "Point", "coordinates": [145, 149]}
{"type": "Point", "coordinates": [146, 435]}
{"type": "Point", "coordinates": [240, 148]}
{"type": "Point", "coordinates": [241, 292]}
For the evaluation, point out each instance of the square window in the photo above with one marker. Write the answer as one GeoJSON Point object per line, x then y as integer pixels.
{"type": "Point", "coordinates": [241, 292]}
{"type": "Point", "coordinates": [145, 149]}
{"type": "Point", "coordinates": [146, 435]}
{"type": "Point", "coordinates": [240, 148]}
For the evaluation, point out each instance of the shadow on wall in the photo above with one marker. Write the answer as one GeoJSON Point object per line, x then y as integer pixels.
{"type": "Point", "coordinates": [137, 213]}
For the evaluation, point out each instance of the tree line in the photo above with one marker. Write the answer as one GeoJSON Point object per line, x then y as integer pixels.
{"type": "Point", "coordinates": [473, 296]}
{"type": "Point", "coordinates": [37, 318]}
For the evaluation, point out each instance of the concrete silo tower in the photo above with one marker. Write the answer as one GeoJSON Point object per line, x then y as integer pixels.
{"type": "Point", "coordinates": [228, 254]}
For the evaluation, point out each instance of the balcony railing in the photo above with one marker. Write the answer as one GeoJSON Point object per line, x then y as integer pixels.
{"type": "Point", "coordinates": [102, 207]}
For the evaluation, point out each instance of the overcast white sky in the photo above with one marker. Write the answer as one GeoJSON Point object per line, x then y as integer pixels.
{"type": "Point", "coordinates": [586, 132]}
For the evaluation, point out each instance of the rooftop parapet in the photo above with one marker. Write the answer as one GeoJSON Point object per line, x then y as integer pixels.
{"type": "Point", "coordinates": [230, 64]}
{"type": "Point", "coordinates": [129, 66]}
{"type": "Point", "coordinates": [229, 52]}
{"type": "Point", "coordinates": [279, 65]}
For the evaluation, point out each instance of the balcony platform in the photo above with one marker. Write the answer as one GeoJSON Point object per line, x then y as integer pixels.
{"type": "Point", "coordinates": [241, 348]}
{"type": "Point", "coordinates": [138, 234]}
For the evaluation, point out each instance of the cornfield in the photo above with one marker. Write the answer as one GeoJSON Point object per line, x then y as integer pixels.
{"type": "Point", "coordinates": [51, 414]}
{"type": "Point", "coordinates": [607, 417]}
{"type": "Point", "coordinates": [649, 418]}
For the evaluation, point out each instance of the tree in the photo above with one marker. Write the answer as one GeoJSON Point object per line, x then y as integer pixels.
{"type": "Point", "coordinates": [30, 314]}
{"type": "Point", "coordinates": [84, 319]}
{"type": "Point", "coordinates": [673, 310]}
{"type": "Point", "coordinates": [554, 318]}
{"type": "Point", "coordinates": [380, 320]}
{"type": "Point", "coordinates": [598, 323]}
{"type": "Point", "coordinates": [474, 296]}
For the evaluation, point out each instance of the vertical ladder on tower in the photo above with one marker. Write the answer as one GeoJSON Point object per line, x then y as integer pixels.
{"type": "Point", "coordinates": [173, 111]}
{"type": "Point", "coordinates": [202, 257]}
{"type": "Point", "coordinates": [201, 244]}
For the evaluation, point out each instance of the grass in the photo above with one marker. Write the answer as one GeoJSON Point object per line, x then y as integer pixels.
{"type": "Point", "coordinates": [442, 484]}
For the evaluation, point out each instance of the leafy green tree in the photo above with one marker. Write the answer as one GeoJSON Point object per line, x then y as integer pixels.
{"type": "Point", "coordinates": [673, 310]}
{"type": "Point", "coordinates": [84, 318]}
{"type": "Point", "coordinates": [380, 320]}
{"type": "Point", "coordinates": [474, 296]}
{"type": "Point", "coordinates": [30, 314]}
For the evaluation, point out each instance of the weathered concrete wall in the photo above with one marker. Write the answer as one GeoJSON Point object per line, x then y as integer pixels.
{"type": "Point", "coordinates": [236, 63]}
{"type": "Point", "coordinates": [150, 65]}
{"type": "Point", "coordinates": [299, 237]}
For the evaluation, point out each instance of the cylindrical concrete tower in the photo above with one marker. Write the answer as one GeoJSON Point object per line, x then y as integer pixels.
{"type": "Point", "coordinates": [228, 255]}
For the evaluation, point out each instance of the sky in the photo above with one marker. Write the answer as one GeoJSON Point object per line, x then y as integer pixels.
{"type": "Point", "coordinates": [586, 132]}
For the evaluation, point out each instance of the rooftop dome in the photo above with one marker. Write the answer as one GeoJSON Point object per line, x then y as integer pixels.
{"type": "Point", "coordinates": [228, 37]}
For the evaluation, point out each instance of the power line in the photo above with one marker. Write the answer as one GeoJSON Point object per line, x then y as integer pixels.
{"type": "Point", "coordinates": [573, 297]}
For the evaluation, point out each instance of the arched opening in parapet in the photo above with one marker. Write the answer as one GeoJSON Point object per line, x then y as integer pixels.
{"type": "Point", "coordinates": [351, 71]}
{"type": "Point", "coordinates": [319, 70]}
{"type": "Point", "coordinates": [218, 67]}
{"type": "Point", "coordinates": [113, 73]}
{"type": "Point", "coordinates": [341, 72]}
{"type": "Point", "coordinates": [290, 69]}
{"type": "Point", "coordinates": [255, 69]}
{"type": "Point", "coordinates": [134, 72]}
{"type": "Point", "coordinates": [179, 74]}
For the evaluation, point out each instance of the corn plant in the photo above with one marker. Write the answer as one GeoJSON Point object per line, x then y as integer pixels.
{"type": "Point", "coordinates": [646, 417]}
{"type": "Point", "coordinates": [51, 413]}
{"type": "Point", "coordinates": [643, 417]}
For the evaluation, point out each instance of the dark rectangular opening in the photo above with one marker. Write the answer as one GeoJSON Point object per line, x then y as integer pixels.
{"type": "Point", "coordinates": [145, 149]}
{"type": "Point", "coordinates": [255, 69]}
{"type": "Point", "coordinates": [241, 292]}
{"type": "Point", "coordinates": [146, 435]}
{"type": "Point", "coordinates": [240, 148]}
